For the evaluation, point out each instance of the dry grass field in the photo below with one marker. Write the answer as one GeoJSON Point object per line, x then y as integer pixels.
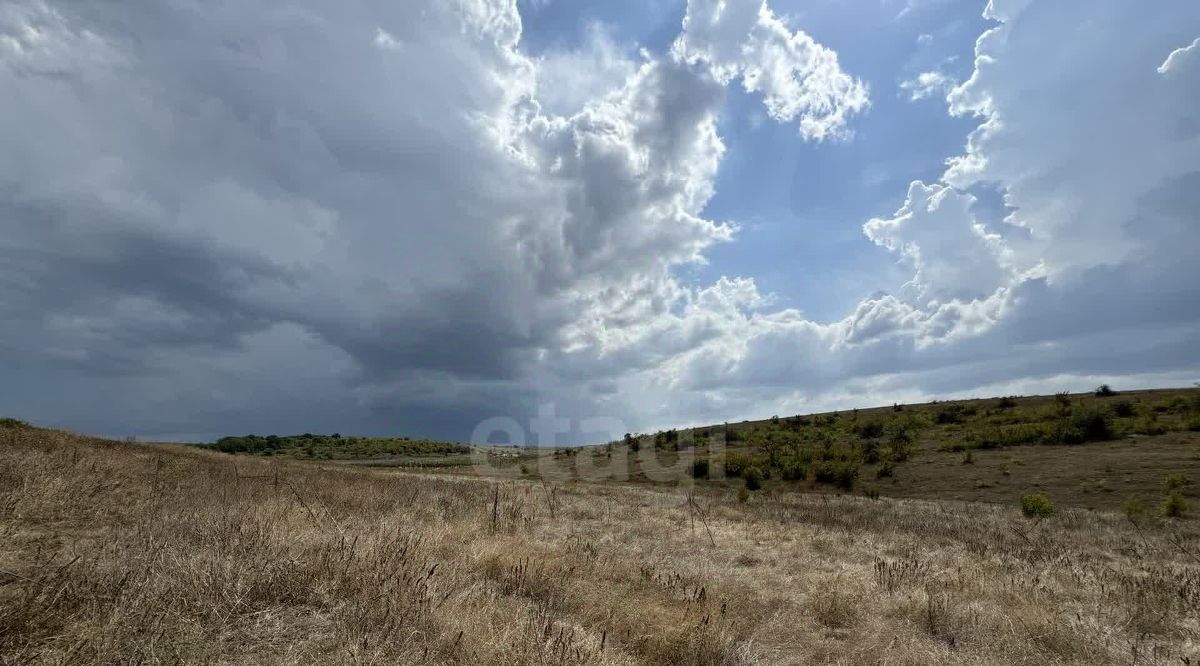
{"type": "Point", "coordinates": [126, 553]}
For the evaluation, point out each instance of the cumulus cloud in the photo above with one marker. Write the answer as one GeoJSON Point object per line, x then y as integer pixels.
{"type": "Point", "coordinates": [952, 257]}
{"type": "Point", "coordinates": [1077, 179]}
{"type": "Point", "coordinates": [570, 78]}
{"type": "Point", "coordinates": [800, 80]}
{"type": "Point", "coordinates": [382, 188]}
{"type": "Point", "coordinates": [1088, 277]}
{"type": "Point", "coordinates": [383, 216]}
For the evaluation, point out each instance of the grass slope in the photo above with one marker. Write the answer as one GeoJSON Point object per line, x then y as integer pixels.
{"type": "Point", "coordinates": [127, 553]}
{"type": "Point", "coordinates": [1085, 450]}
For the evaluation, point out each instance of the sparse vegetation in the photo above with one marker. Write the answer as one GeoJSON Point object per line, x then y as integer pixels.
{"type": "Point", "coordinates": [1174, 505]}
{"type": "Point", "coordinates": [13, 424]}
{"type": "Point", "coordinates": [336, 447]}
{"type": "Point", "coordinates": [1132, 508]}
{"type": "Point", "coordinates": [753, 478]}
{"type": "Point", "coordinates": [131, 553]}
{"type": "Point", "coordinates": [1036, 505]}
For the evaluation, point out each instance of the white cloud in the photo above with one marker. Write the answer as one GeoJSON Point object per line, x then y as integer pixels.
{"type": "Point", "coordinates": [798, 78]}
{"type": "Point", "coordinates": [952, 257]}
{"type": "Point", "coordinates": [397, 216]}
{"type": "Point", "coordinates": [1102, 178]}
{"type": "Point", "coordinates": [927, 84]}
{"type": "Point", "coordinates": [1178, 58]}
{"type": "Point", "coordinates": [568, 79]}
{"type": "Point", "coordinates": [1078, 158]}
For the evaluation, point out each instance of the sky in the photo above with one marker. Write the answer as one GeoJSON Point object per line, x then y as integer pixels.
{"type": "Point", "coordinates": [428, 217]}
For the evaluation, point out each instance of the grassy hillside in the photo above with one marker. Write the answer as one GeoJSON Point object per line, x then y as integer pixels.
{"type": "Point", "coordinates": [1090, 450]}
{"type": "Point", "coordinates": [126, 553]}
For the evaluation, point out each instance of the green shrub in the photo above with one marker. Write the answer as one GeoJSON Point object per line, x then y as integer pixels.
{"type": "Point", "coordinates": [968, 459]}
{"type": "Point", "coordinates": [736, 464]}
{"type": "Point", "coordinates": [901, 446]}
{"type": "Point", "coordinates": [1173, 482]}
{"type": "Point", "coordinates": [792, 470]}
{"type": "Point", "coordinates": [840, 473]}
{"type": "Point", "coordinates": [871, 492]}
{"type": "Point", "coordinates": [14, 424]}
{"type": "Point", "coordinates": [699, 469]}
{"type": "Point", "coordinates": [1193, 424]}
{"type": "Point", "coordinates": [1036, 505]}
{"type": "Point", "coordinates": [1178, 405]}
{"type": "Point", "coordinates": [1064, 401]}
{"type": "Point", "coordinates": [1148, 425]}
{"type": "Point", "coordinates": [948, 414]}
{"type": "Point", "coordinates": [1016, 436]}
{"type": "Point", "coordinates": [1090, 426]}
{"type": "Point", "coordinates": [753, 478]}
{"type": "Point", "coordinates": [886, 468]}
{"type": "Point", "coordinates": [869, 429]}
{"type": "Point", "coordinates": [633, 442]}
{"type": "Point", "coordinates": [870, 452]}
{"type": "Point", "coordinates": [1132, 508]}
{"type": "Point", "coordinates": [1174, 506]}
{"type": "Point", "coordinates": [1105, 391]}
{"type": "Point", "coordinates": [1124, 409]}
{"type": "Point", "coordinates": [1007, 402]}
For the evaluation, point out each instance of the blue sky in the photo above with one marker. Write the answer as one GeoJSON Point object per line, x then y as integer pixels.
{"type": "Point", "coordinates": [418, 217]}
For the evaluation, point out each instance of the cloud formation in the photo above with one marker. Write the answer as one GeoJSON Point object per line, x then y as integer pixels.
{"type": "Point", "coordinates": [800, 80]}
{"type": "Point", "coordinates": [376, 184]}
{"type": "Point", "coordinates": [388, 217]}
{"type": "Point", "coordinates": [927, 84]}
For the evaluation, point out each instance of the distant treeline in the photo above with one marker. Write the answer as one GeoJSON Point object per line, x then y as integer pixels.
{"type": "Point", "coordinates": [335, 446]}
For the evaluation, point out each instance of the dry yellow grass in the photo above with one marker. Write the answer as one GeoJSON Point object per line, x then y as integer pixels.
{"type": "Point", "coordinates": [123, 553]}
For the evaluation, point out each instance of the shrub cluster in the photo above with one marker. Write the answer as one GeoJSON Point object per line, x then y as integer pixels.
{"type": "Point", "coordinates": [1036, 505]}
{"type": "Point", "coordinates": [869, 429]}
{"type": "Point", "coordinates": [753, 477]}
{"type": "Point", "coordinates": [324, 446]}
{"type": "Point", "coordinates": [840, 473]}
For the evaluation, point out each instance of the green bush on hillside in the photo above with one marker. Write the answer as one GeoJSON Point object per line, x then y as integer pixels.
{"type": "Point", "coordinates": [840, 473]}
{"type": "Point", "coordinates": [1174, 506]}
{"type": "Point", "coordinates": [753, 478]}
{"type": "Point", "coordinates": [1036, 505]}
